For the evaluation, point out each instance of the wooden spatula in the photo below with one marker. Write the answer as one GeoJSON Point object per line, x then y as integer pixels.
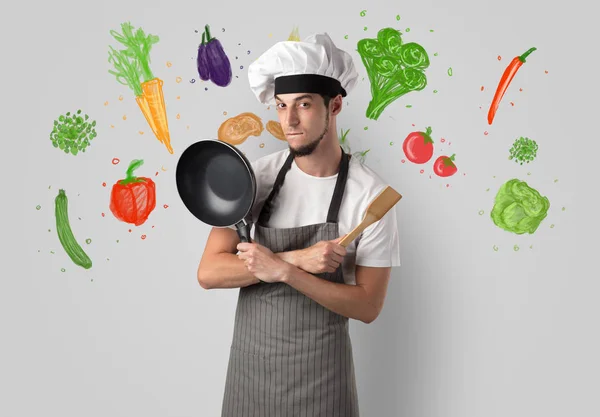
{"type": "Point", "coordinates": [380, 205]}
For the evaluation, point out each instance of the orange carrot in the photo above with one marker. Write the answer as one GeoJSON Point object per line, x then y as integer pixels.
{"type": "Point", "coordinates": [155, 100]}
{"type": "Point", "coordinates": [507, 76]}
{"type": "Point", "coordinates": [132, 67]}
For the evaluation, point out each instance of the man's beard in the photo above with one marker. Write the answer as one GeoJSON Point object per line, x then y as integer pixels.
{"type": "Point", "coordinates": [308, 148]}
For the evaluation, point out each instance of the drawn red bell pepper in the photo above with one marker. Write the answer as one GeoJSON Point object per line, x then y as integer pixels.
{"type": "Point", "coordinates": [132, 199]}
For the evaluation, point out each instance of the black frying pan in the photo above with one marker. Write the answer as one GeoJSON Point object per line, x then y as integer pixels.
{"type": "Point", "coordinates": [217, 184]}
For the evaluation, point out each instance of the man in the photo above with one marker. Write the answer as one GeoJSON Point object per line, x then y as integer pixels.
{"type": "Point", "coordinates": [291, 352]}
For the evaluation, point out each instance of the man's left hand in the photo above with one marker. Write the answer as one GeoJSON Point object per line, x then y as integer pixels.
{"type": "Point", "coordinates": [262, 262]}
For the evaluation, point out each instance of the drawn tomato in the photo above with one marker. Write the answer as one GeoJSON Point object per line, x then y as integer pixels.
{"type": "Point", "coordinates": [132, 199]}
{"type": "Point", "coordinates": [418, 146]}
{"type": "Point", "coordinates": [444, 166]}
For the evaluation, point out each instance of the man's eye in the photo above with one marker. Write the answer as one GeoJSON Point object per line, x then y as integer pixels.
{"type": "Point", "coordinates": [305, 104]}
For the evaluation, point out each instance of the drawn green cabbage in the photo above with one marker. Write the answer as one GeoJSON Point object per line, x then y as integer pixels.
{"type": "Point", "coordinates": [519, 208]}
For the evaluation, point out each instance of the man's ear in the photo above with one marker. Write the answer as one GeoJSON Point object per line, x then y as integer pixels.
{"type": "Point", "coordinates": [336, 104]}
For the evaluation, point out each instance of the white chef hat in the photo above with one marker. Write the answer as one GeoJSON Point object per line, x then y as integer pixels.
{"type": "Point", "coordinates": [314, 65]}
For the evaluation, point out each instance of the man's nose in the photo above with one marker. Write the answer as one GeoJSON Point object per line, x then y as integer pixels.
{"type": "Point", "coordinates": [292, 118]}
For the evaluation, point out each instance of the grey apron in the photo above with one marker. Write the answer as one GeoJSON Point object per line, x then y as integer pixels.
{"type": "Point", "coordinates": [290, 356]}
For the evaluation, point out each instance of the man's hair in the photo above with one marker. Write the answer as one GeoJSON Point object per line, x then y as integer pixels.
{"type": "Point", "coordinates": [326, 99]}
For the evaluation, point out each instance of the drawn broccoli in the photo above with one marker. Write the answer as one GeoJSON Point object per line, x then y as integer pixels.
{"type": "Point", "coordinates": [519, 208]}
{"type": "Point", "coordinates": [394, 69]}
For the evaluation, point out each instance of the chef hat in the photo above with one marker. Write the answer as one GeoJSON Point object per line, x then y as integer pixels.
{"type": "Point", "coordinates": [314, 65]}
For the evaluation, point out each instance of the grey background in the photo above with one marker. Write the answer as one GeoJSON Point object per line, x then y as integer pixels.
{"type": "Point", "coordinates": [466, 330]}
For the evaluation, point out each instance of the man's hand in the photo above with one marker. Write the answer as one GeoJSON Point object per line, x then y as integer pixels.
{"type": "Point", "coordinates": [323, 256]}
{"type": "Point", "coordinates": [262, 262]}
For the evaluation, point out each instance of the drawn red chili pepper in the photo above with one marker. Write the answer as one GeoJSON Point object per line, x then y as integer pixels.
{"type": "Point", "coordinates": [132, 199]}
{"type": "Point", "coordinates": [507, 76]}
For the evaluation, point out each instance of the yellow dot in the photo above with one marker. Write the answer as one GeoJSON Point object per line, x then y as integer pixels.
{"type": "Point", "coordinates": [270, 35]}
{"type": "Point", "coordinates": [178, 79]}
{"type": "Point", "coordinates": [188, 128]}
{"type": "Point", "coordinates": [120, 98]}
{"type": "Point", "coordinates": [112, 126]}
{"type": "Point", "coordinates": [262, 145]}
{"type": "Point", "coordinates": [141, 132]}
{"type": "Point", "coordinates": [224, 113]}
{"type": "Point", "coordinates": [124, 117]}
{"type": "Point", "coordinates": [178, 116]}
{"type": "Point", "coordinates": [178, 97]}
{"type": "Point", "coordinates": [106, 103]}
{"type": "Point", "coordinates": [169, 64]}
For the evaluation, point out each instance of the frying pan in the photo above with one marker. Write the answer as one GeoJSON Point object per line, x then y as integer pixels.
{"type": "Point", "coordinates": [217, 185]}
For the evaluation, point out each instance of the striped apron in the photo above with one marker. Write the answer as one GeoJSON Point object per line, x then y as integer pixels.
{"type": "Point", "coordinates": [290, 356]}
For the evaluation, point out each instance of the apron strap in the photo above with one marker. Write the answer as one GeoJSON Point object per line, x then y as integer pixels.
{"type": "Point", "coordinates": [340, 186]}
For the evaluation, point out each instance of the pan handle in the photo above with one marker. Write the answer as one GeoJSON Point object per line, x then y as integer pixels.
{"type": "Point", "coordinates": [243, 230]}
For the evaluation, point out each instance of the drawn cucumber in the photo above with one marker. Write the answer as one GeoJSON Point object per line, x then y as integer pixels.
{"type": "Point", "coordinates": [65, 234]}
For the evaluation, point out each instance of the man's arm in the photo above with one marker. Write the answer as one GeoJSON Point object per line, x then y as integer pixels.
{"type": "Point", "coordinates": [221, 268]}
{"type": "Point", "coordinates": [363, 301]}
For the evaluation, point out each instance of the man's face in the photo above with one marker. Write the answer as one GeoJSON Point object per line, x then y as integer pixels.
{"type": "Point", "coordinates": [304, 120]}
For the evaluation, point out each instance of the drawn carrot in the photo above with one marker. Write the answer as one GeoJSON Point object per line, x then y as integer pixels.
{"type": "Point", "coordinates": [132, 67]}
{"type": "Point", "coordinates": [507, 76]}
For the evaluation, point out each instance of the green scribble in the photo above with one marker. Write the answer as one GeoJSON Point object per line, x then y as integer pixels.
{"type": "Point", "coordinates": [363, 13]}
{"type": "Point", "coordinates": [365, 28]}
{"type": "Point", "coordinates": [523, 150]}
{"type": "Point", "coordinates": [346, 37]}
{"type": "Point", "coordinates": [394, 68]}
{"type": "Point", "coordinates": [62, 269]}
{"type": "Point", "coordinates": [397, 17]}
{"type": "Point", "coordinates": [495, 248]}
{"type": "Point", "coordinates": [345, 144]}
{"type": "Point", "coordinates": [88, 241]}
{"type": "Point", "coordinates": [38, 207]}
{"type": "Point", "coordinates": [481, 212]}
{"type": "Point", "coordinates": [72, 132]}
{"type": "Point", "coordinates": [450, 71]}
{"type": "Point", "coordinates": [519, 208]}
{"type": "Point", "coordinates": [516, 248]}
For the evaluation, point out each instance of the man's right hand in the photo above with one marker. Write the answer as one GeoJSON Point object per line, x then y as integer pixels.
{"type": "Point", "coordinates": [323, 256]}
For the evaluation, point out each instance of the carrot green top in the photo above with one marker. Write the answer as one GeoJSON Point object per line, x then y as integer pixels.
{"type": "Point", "coordinates": [132, 63]}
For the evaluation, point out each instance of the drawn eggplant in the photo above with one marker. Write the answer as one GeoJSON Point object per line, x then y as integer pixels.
{"type": "Point", "coordinates": [212, 61]}
{"type": "Point", "coordinates": [202, 62]}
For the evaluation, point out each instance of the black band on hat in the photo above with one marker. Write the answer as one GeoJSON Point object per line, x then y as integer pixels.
{"type": "Point", "coordinates": [309, 83]}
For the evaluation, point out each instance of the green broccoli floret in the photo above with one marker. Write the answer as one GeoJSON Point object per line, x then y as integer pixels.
{"type": "Point", "coordinates": [394, 69]}
{"type": "Point", "coordinates": [72, 132]}
{"type": "Point", "coordinates": [519, 208]}
{"type": "Point", "coordinates": [523, 150]}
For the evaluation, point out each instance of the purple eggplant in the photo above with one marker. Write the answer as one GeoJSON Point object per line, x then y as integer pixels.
{"type": "Point", "coordinates": [202, 62]}
{"type": "Point", "coordinates": [217, 62]}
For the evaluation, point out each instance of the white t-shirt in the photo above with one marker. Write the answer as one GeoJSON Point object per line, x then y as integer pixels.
{"type": "Point", "coordinates": [304, 199]}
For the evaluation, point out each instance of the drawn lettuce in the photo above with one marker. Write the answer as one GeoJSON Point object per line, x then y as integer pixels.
{"type": "Point", "coordinates": [519, 208]}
